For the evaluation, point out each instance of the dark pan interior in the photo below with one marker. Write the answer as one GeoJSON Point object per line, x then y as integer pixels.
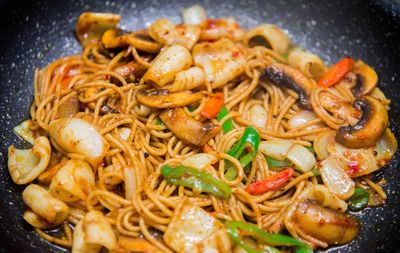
{"type": "Point", "coordinates": [33, 33]}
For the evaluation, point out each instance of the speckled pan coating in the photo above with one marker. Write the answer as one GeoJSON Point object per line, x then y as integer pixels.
{"type": "Point", "coordinates": [34, 33]}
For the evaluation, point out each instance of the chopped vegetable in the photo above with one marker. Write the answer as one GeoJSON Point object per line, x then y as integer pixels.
{"type": "Point", "coordinates": [302, 158]}
{"type": "Point", "coordinates": [359, 200]}
{"type": "Point", "coordinates": [276, 163]}
{"type": "Point", "coordinates": [195, 179]}
{"type": "Point", "coordinates": [265, 237]}
{"type": "Point", "coordinates": [337, 72]}
{"type": "Point", "coordinates": [251, 140]}
{"type": "Point", "coordinates": [213, 105]}
{"type": "Point", "coordinates": [228, 124]}
{"type": "Point", "coordinates": [270, 183]}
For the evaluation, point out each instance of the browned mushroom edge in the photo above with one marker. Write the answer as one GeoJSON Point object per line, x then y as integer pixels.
{"type": "Point", "coordinates": [131, 72]}
{"type": "Point", "coordinates": [369, 128]}
{"type": "Point", "coordinates": [366, 79]}
{"type": "Point", "coordinates": [165, 99]}
{"type": "Point", "coordinates": [288, 77]}
{"type": "Point", "coordinates": [187, 129]}
{"type": "Point", "coordinates": [114, 38]}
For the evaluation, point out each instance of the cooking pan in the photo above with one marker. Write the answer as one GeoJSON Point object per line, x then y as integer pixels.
{"type": "Point", "coordinates": [34, 33]}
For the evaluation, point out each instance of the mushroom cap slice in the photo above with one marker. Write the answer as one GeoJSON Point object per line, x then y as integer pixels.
{"type": "Point", "coordinates": [188, 129]}
{"type": "Point", "coordinates": [369, 128]}
{"type": "Point", "coordinates": [114, 38]}
{"type": "Point", "coordinates": [288, 77]}
{"type": "Point", "coordinates": [366, 78]}
{"type": "Point", "coordinates": [165, 99]}
{"type": "Point", "coordinates": [91, 25]}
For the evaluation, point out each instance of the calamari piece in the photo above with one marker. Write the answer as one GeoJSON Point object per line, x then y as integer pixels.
{"type": "Point", "coordinates": [194, 15]}
{"type": "Point", "coordinates": [308, 63]}
{"type": "Point", "coordinates": [75, 135]}
{"type": "Point", "coordinates": [221, 61]}
{"type": "Point", "coordinates": [340, 108]}
{"type": "Point", "coordinates": [194, 230]}
{"type": "Point", "coordinates": [92, 25]}
{"type": "Point", "coordinates": [49, 210]}
{"type": "Point", "coordinates": [92, 233]}
{"type": "Point", "coordinates": [73, 181]}
{"type": "Point", "coordinates": [167, 64]}
{"type": "Point", "coordinates": [187, 80]}
{"type": "Point", "coordinates": [269, 36]}
{"type": "Point", "coordinates": [25, 165]}
{"type": "Point", "coordinates": [165, 32]}
{"type": "Point", "coordinates": [215, 29]}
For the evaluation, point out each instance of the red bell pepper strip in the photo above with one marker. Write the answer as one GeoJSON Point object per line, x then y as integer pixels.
{"type": "Point", "coordinates": [270, 183]}
{"type": "Point", "coordinates": [337, 72]}
{"type": "Point", "coordinates": [213, 105]}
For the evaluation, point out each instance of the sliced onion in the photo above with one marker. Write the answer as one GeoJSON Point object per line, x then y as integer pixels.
{"type": "Point", "coordinates": [194, 15]}
{"type": "Point", "coordinates": [303, 117]}
{"type": "Point", "coordinates": [24, 132]}
{"type": "Point", "coordinates": [321, 143]}
{"type": "Point", "coordinates": [124, 133]}
{"type": "Point", "coordinates": [336, 179]}
{"type": "Point", "coordinates": [363, 158]}
{"type": "Point", "coordinates": [200, 161]}
{"type": "Point", "coordinates": [386, 147]}
{"type": "Point", "coordinates": [277, 149]}
{"type": "Point", "coordinates": [301, 157]}
{"type": "Point", "coordinates": [258, 115]}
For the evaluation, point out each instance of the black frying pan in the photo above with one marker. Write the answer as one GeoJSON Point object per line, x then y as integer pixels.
{"type": "Point", "coordinates": [36, 32]}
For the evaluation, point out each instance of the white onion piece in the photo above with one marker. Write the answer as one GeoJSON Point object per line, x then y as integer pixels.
{"type": "Point", "coordinates": [303, 117]}
{"type": "Point", "coordinates": [364, 158]}
{"type": "Point", "coordinates": [194, 15]}
{"type": "Point", "coordinates": [386, 147]}
{"type": "Point", "coordinates": [301, 157]}
{"type": "Point", "coordinates": [124, 133]}
{"type": "Point", "coordinates": [321, 143]}
{"type": "Point", "coordinates": [336, 179]}
{"type": "Point", "coordinates": [277, 149]}
{"type": "Point", "coordinates": [200, 161]}
{"type": "Point", "coordinates": [258, 115]}
{"type": "Point", "coordinates": [24, 132]}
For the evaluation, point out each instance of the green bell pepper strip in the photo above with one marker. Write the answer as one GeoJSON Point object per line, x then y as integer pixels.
{"type": "Point", "coordinates": [267, 238]}
{"type": "Point", "coordinates": [359, 200]}
{"type": "Point", "coordinates": [228, 124]}
{"type": "Point", "coordinates": [276, 163]}
{"type": "Point", "coordinates": [251, 139]}
{"type": "Point", "coordinates": [195, 179]}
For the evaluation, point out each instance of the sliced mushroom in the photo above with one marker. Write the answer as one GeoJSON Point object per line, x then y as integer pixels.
{"type": "Point", "coordinates": [325, 224]}
{"type": "Point", "coordinates": [366, 78]}
{"type": "Point", "coordinates": [188, 129]}
{"type": "Point", "coordinates": [131, 72]}
{"type": "Point", "coordinates": [269, 36]}
{"type": "Point", "coordinates": [288, 77]}
{"type": "Point", "coordinates": [165, 99]}
{"type": "Point", "coordinates": [91, 26]}
{"type": "Point", "coordinates": [167, 64]}
{"type": "Point", "coordinates": [318, 217]}
{"type": "Point", "coordinates": [69, 108]}
{"type": "Point", "coordinates": [114, 38]}
{"type": "Point", "coordinates": [369, 128]}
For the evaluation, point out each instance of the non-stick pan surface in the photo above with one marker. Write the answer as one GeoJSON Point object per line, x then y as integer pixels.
{"type": "Point", "coordinates": [34, 33]}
